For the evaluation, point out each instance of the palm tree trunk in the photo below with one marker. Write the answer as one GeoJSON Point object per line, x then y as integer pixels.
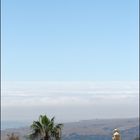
{"type": "Point", "coordinates": [46, 138]}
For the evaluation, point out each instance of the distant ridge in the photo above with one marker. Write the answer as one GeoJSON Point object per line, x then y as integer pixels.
{"type": "Point", "coordinates": [94, 129]}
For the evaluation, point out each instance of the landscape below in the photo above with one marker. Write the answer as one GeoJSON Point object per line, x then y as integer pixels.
{"type": "Point", "coordinates": [97, 129]}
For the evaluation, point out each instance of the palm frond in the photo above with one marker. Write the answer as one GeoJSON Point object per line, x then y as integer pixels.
{"type": "Point", "coordinates": [45, 128]}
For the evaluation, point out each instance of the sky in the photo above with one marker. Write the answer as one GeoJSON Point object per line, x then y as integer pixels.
{"type": "Point", "coordinates": [47, 44]}
{"type": "Point", "coordinates": [69, 40]}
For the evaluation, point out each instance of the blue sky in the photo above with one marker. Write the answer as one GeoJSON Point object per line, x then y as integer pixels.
{"type": "Point", "coordinates": [69, 40]}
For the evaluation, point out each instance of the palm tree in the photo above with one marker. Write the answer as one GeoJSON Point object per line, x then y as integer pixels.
{"type": "Point", "coordinates": [57, 131]}
{"type": "Point", "coordinates": [45, 129]}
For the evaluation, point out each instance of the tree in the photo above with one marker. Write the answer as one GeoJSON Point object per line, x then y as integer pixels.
{"type": "Point", "coordinates": [12, 137]}
{"type": "Point", "coordinates": [57, 131]}
{"type": "Point", "coordinates": [45, 129]}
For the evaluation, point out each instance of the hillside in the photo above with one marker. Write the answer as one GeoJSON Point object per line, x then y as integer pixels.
{"type": "Point", "coordinates": [99, 129]}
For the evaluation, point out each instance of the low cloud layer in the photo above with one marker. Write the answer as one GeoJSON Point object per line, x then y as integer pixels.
{"type": "Point", "coordinates": [69, 101]}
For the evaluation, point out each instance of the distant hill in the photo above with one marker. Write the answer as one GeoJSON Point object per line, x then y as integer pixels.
{"type": "Point", "coordinates": [99, 129]}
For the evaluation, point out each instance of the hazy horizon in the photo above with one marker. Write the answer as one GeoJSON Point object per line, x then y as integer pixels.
{"type": "Point", "coordinates": [70, 101]}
